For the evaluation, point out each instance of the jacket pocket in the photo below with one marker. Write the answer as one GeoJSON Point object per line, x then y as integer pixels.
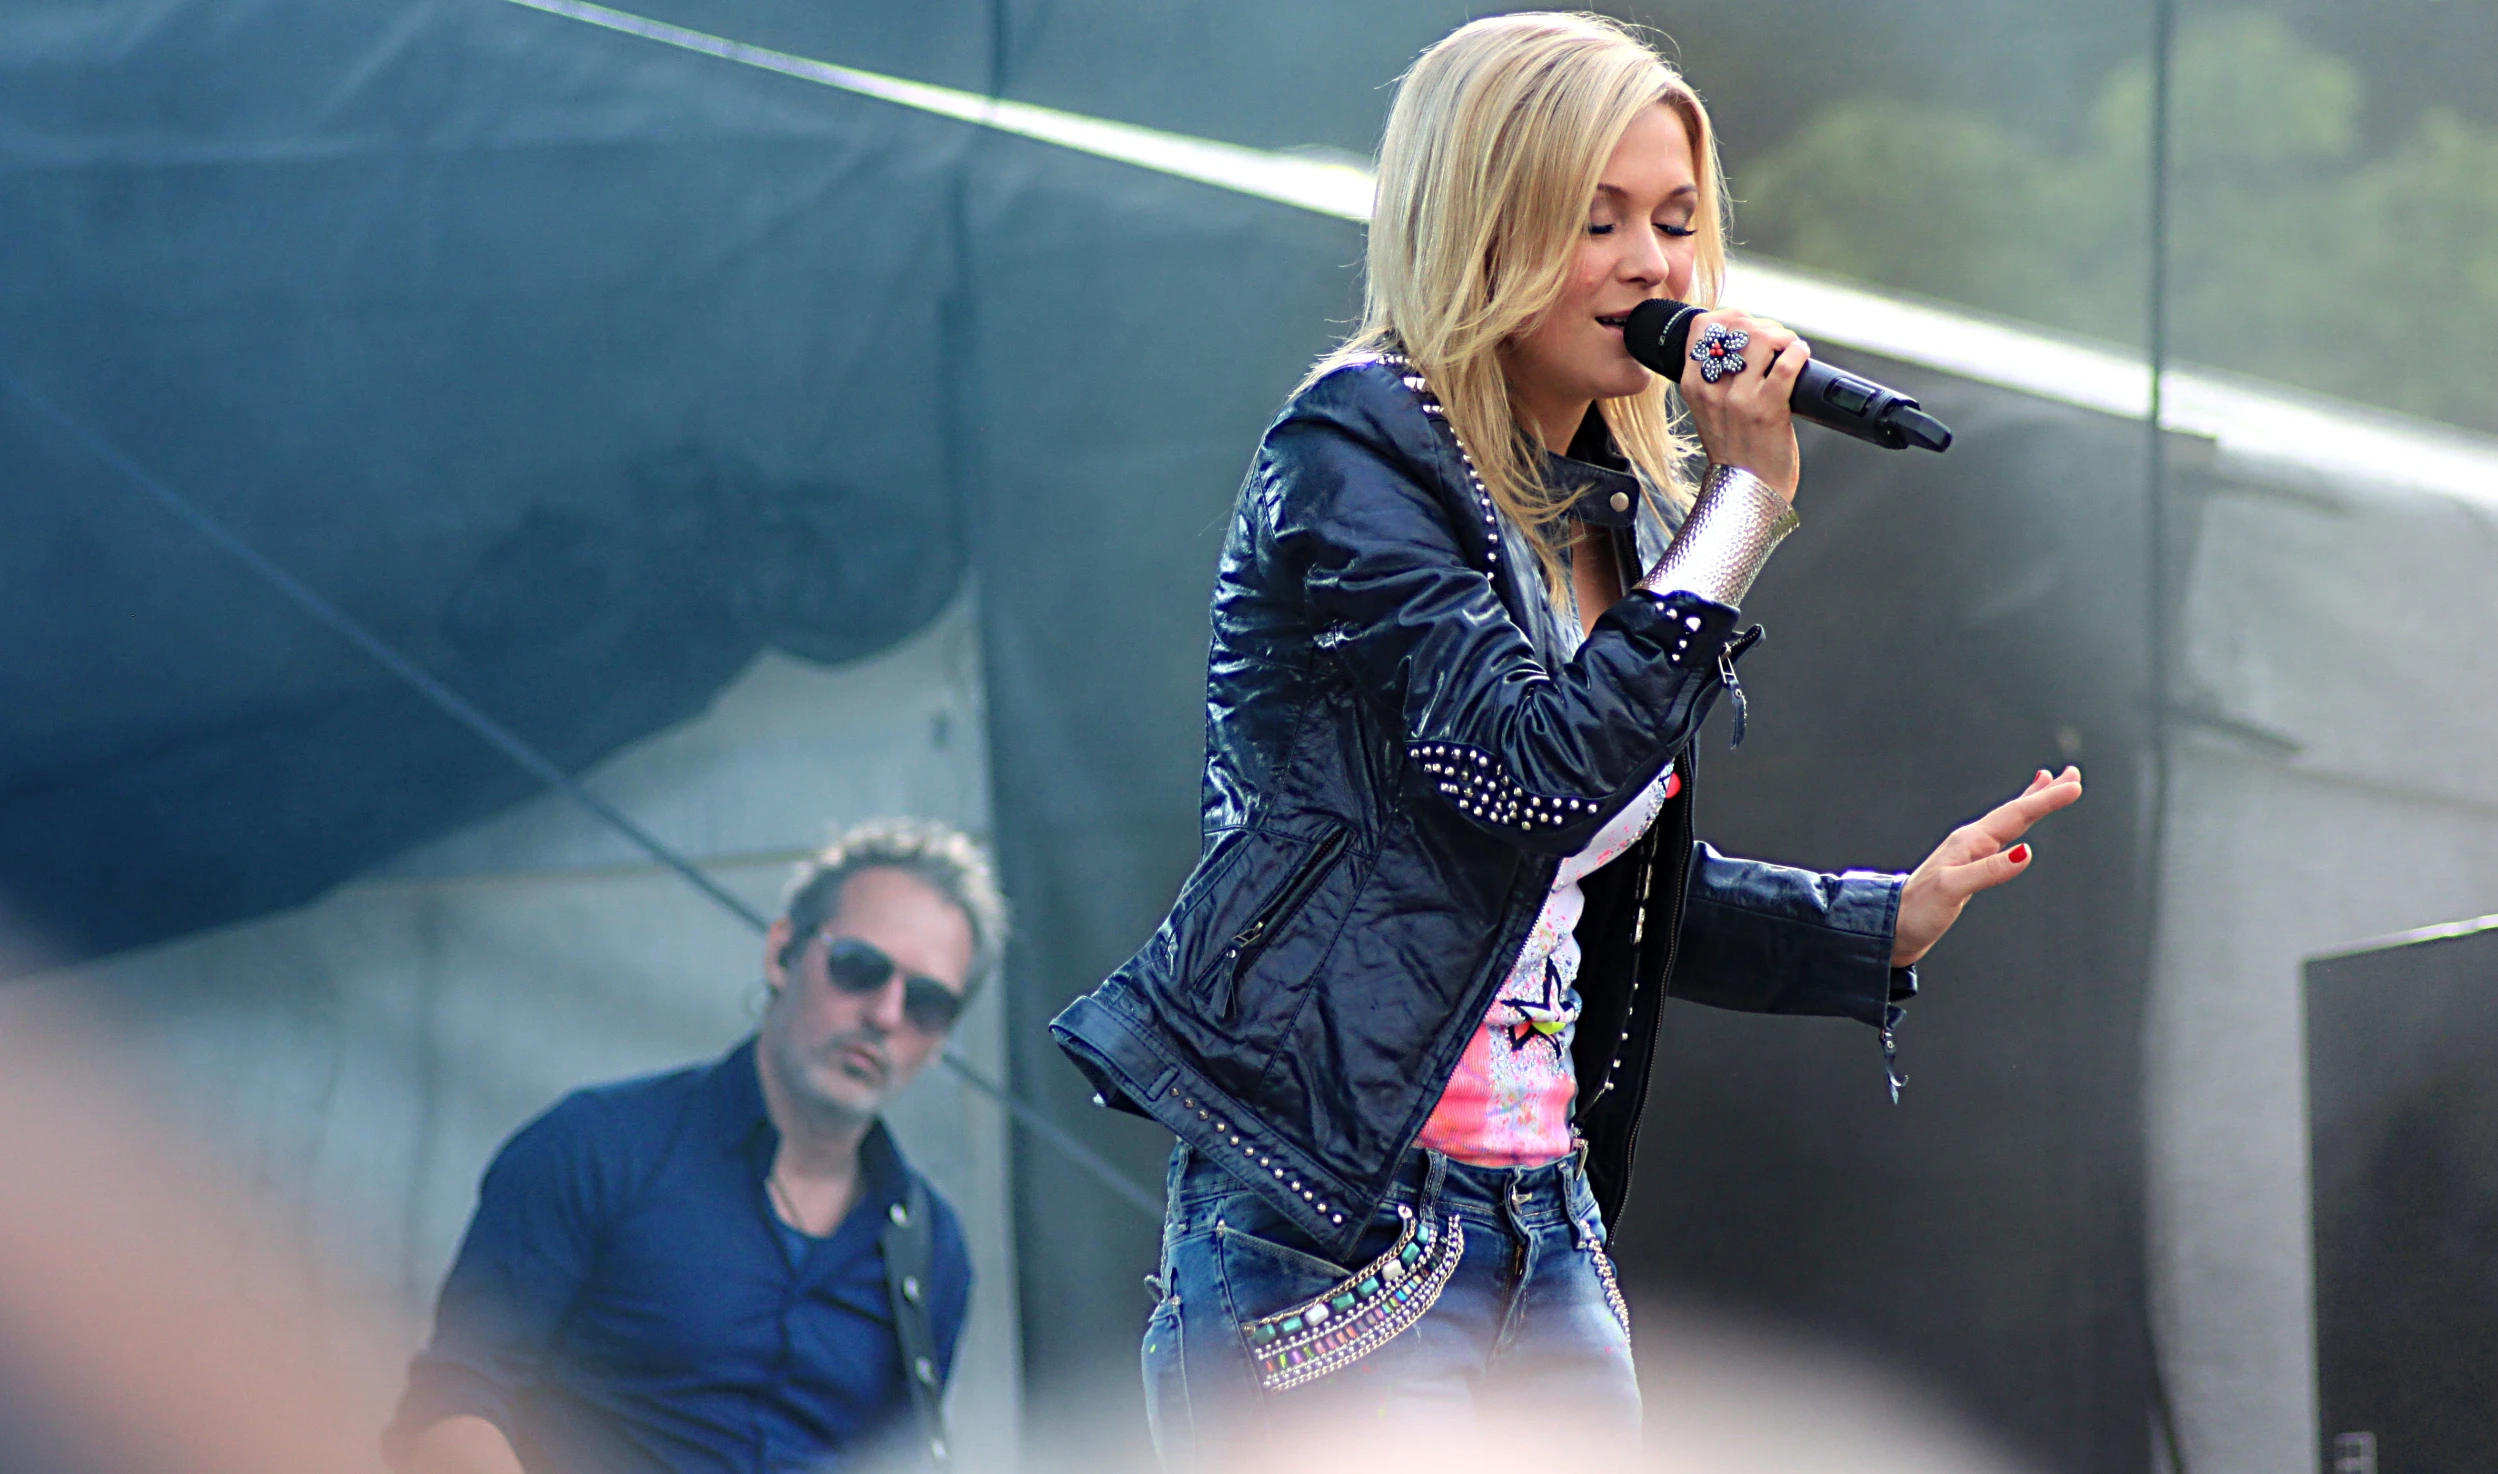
{"type": "Point", "coordinates": [1221, 985]}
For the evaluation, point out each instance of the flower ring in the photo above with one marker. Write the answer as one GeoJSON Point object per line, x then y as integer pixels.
{"type": "Point", "coordinates": [1717, 352]}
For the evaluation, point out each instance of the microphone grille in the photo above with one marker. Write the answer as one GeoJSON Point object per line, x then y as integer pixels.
{"type": "Point", "coordinates": [1656, 333]}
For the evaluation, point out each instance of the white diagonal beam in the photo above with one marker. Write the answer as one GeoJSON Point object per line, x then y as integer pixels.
{"type": "Point", "coordinates": [2265, 430]}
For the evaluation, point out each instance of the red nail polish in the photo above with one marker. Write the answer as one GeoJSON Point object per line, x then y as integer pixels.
{"type": "Point", "coordinates": [2020, 854]}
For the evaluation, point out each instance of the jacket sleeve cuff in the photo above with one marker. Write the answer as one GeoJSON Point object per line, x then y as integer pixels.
{"type": "Point", "coordinates": [1763, 938]}
{"type": "Point", "coordinates": [1726, 540]}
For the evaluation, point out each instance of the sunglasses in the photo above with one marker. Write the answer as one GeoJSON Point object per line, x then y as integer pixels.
{"type": "Point", "coordinates": [860, 968]}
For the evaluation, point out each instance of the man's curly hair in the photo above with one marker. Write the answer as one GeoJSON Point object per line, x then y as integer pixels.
{"type": "Point", "coordinates": [952, 863]}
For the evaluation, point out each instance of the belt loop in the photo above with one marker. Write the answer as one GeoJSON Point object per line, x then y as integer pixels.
{"type": "Point", "coordinates": [1171, 1225]}
{"type": "Point", "coordinates": [1574, 1176]}
{"type": "Point", "coordinates": [1434, 1177]}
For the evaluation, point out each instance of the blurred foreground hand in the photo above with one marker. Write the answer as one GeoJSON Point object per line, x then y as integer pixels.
{"type": "Point", "coordinates": [149, 1321]}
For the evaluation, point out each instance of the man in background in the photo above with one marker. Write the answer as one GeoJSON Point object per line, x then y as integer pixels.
{"type": "Point", "coordinates": [729, 1266]}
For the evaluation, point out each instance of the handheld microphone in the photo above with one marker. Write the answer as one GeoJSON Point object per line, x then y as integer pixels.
{"type": "Point", "coordinates": [1658, 333]}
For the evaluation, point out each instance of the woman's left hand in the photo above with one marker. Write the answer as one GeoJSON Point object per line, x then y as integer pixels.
{"type": "Point", "coordinates": [1971, 859]}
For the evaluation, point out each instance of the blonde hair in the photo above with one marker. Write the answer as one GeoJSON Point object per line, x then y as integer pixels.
{"type": "Point", "coordinates": [1498, 138]}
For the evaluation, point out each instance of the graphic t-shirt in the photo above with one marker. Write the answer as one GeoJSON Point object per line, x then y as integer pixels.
{"type": "Point", "coordinates": [1508, 1104]}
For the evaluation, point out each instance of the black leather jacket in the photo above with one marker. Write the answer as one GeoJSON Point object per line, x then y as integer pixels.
{"type": "Point", "coordinates": [1400, 749]}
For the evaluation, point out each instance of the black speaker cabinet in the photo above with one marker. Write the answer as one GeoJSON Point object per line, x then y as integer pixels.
{"type": "Point", "coordinates": [2402, 1099]}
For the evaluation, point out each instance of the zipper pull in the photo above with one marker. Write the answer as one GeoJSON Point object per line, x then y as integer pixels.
{"type": "Point", "coordinates": [1234, 954]}
{"type": "Point", "coordinates": [1734, 688]}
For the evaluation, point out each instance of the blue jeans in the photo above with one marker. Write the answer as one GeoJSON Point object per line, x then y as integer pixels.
{"type": "Point", "coordinates": [1474, 1292]}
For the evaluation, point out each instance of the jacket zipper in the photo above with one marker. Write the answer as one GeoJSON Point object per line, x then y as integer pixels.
{"type": "Point", "coordinates": [1253, 938]}
{"type": "Point", "coordinates": [1665, 976]}
{"type": "Point", "coordinates": [1727, 655]}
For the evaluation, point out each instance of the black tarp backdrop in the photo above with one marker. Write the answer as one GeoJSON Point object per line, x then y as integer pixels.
{"type": "Point", "coordinates": [583, 369]}
{"type": "Point", "coordinates": [557, 357]}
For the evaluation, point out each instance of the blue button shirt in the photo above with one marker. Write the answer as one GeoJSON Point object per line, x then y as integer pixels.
{"type": "Point", "coordinates": [625, 1302]}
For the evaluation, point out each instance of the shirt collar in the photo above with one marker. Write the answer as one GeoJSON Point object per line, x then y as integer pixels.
{"type": "Point", "coordinates": [737, 1099]}
{"type": "Point", "coordinates": [881, 1170]}
{"type": "Point", "coordinates": [745, 1125]}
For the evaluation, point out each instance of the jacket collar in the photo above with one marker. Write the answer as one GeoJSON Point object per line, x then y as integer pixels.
{"type": "Point", "coordinates": [1605, 492]}
{"type": "Point", "coordinates": [1598, 472]}
{"type": "Point", "coordinates": [1598, 477]}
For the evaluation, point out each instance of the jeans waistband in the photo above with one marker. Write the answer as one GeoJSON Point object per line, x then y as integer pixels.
{"type": "Point", "coordinates": [1530, 1197]}
{"type": "Point", "coordinates": [1555, 1192]}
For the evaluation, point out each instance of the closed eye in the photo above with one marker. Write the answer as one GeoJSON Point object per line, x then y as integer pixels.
{"type": "Point", "coordinates": [1677, 231]}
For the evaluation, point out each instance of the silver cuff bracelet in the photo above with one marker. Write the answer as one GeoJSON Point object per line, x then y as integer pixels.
{"type": "Point", "coordinates": [1726, 539]}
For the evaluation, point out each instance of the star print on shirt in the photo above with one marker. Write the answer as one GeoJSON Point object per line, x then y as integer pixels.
{"type": "Point", "coordinates": [1543, 1019]}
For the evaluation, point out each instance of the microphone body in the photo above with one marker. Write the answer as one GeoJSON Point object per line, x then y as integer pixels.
{"type": "Point", "coordinates": [1658, 334]}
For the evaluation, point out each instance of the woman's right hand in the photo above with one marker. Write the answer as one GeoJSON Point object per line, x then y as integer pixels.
{"type": "Point", "coordinates": [1743, 419]}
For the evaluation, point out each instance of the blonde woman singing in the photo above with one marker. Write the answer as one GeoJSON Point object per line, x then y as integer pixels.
{"type": "Point", "coordinates": [1473, 607]}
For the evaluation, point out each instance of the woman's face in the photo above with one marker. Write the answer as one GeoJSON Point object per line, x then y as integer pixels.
{"type": "Point", "coordinates": [1639, 242]}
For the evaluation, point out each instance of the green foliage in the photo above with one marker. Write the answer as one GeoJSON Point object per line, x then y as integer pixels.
{"type": "Point", "coordinates": [2274, 216]}
{"type": "Point", "coordinates": [2430, 283]}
